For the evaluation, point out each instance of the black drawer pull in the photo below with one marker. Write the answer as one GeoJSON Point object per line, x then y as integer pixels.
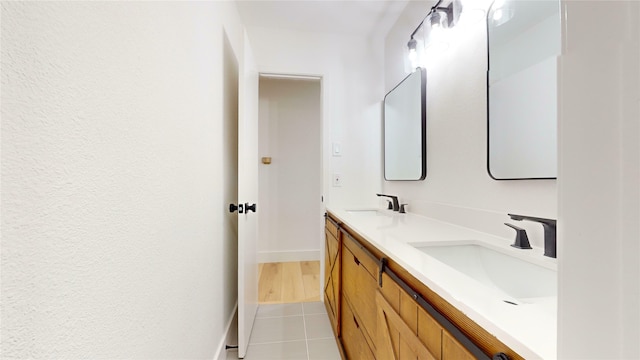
{"type": "Point", "coordinates": [356, 321]}
{"type": "Point", "coordinates": [355, 259]}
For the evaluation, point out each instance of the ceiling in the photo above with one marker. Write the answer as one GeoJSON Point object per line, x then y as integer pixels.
{"type": "Point", "coordinates": [356, 17]}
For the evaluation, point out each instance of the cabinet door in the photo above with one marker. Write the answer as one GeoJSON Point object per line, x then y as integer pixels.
{"type": "Point", "coordinates": [332, 277]}
{"type": "Point", "coordinates": [430, 332]}
{"type": "Point", "coordinates": [414, 316]}
{"type": "Point", "coordinates": [353, 339]}
{"type": "Point", "coordinates": [396, 339]}
{"type": "Point", "coordinates": [453, 350]}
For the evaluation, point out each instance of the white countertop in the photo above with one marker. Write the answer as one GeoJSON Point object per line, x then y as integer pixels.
{"type": "Point", "coordinates": [529, 329]}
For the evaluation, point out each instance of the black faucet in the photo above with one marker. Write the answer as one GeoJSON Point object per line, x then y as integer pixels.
{"type": "Point", "coordinates": [396, 203]}
{"type": "Point", "coordinates": [522, 240]}
{"type": "Point", "coordinates": [549, 226]}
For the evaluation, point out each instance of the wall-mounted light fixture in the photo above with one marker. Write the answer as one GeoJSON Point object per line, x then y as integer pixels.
{"type": "Point", "coordinates": [439, 18]}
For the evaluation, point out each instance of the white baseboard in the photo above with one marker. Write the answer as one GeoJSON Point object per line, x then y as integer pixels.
{"type": "Point", "coordinates": [286, 256]}
{"type": "Point", "coordinates": [221, 353]}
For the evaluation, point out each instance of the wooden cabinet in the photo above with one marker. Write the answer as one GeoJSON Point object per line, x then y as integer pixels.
{"type": "Point", "coordinates": [359, 285]}
{"type": "Point", "coordinates": [406, 329]}
{"type": "Point", "coordinates": [332, 274]}
{"type": "Point", "coordinates": [397, 339]}
{"type": "Point", "coordinates": [385, 317]}
{"type": "Point", "coordinates": [453, 350]}
{"type": "Point", "coordinates": [353, 338]}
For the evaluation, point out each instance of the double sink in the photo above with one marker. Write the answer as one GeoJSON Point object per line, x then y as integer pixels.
{"type": "Point", "coordinates": [510, 273]}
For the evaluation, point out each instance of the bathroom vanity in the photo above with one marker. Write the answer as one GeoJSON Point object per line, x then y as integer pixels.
{"type": "Point", "coordinates": [392, 292]}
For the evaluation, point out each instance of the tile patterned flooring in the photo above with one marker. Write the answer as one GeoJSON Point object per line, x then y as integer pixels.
{"type": "Point", "coordinates": [297, 331]}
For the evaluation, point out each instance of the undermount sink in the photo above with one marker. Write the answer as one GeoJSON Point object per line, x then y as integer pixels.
{"type": "Point", "coordinates": [366, 212]}
{"type": "Point", "coordinates": [519, 279]}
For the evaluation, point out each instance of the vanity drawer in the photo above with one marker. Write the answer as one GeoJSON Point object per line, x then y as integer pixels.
{"type": "Point", "coordinates": [360, 257]}
{"type": "Point", "coordinates": [353, 339]}
{"type": "Point", "coordinates": [360, 287]}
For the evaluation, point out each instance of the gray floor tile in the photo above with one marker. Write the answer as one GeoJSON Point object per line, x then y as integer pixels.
{"type": "Point", "coordinates": [275, 329]}
{"type": "Point", "coordinates": [318, 326]}
{"type": "Point", "coordinates": [314, 308]}
{"type": "Point", "coordinates": [275, 310]}
{"type": "Point", "coordinates": [281, 331]}
{"type": "Point", "coordinates": [294, 350]}
{"type": "Point", "coordinates": [323, 349]}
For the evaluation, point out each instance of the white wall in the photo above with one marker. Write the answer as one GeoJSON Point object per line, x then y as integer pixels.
{"type": "Point", "coordinates": [350, 67]}
{"type": "Point", "coordinates": [113, 221]}
{"type": "Point", "coordinates": [458, 187]}
{"type": "Point", "coordinates": [291, 186]}
{"type": "Point", "coordinates": [598, 195]}
{"type": "Point", "coordinates": [599, 182]}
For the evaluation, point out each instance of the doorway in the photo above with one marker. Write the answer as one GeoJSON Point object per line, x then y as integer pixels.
{"type": "Point", "coordinates": [290, 181]}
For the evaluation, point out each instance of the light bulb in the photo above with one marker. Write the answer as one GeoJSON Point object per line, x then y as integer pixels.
{"type": "Point", "coordinates": [438, 19]}
{"type": "Point", "coordinates": [413, 58]}
{"type": "Point", "coordinates": [413, 55]}
{"type": "Point", "coordinates": [497, 15]}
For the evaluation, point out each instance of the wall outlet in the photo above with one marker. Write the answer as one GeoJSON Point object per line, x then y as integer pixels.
{"type": "Point", "coordinates": [337, 180]}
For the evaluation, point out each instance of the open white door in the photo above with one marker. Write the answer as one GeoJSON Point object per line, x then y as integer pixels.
{"type": "Point", "coordinates": [247, 196]}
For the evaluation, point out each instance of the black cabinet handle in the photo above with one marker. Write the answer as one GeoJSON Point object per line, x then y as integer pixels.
{"type": "Point", "coordinates": [234, 207]}
{"type": "Point", "coordinates": [248, 207]}
{"type": "Point", "coordinates": [355, 259]}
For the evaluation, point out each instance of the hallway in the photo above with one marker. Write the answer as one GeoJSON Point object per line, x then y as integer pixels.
{"type": "Point", "coordinates": [289, 282]}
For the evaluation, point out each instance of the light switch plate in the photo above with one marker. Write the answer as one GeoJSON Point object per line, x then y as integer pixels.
{"type": "Point", "coordinates": [337, 180]}
{"type": "Point", "coordinates": [336, 149]}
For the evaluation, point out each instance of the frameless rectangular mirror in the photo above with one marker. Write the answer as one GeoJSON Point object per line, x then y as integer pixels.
{"type": "Point", "coordinates": [405, 123]}
{"type": "Point", "coordinates": [524, 38]}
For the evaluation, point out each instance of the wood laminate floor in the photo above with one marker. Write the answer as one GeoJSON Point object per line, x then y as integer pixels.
{"type": "Point", "coordinates": [289, 282]}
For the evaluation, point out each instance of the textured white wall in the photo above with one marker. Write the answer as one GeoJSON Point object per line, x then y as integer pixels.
{"type": "Point", "coordinates": [112, 214]}
{"type": "Point", "coordinates": [290, 188]}
{"type": "Point", "coordinates": [458, 187]}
